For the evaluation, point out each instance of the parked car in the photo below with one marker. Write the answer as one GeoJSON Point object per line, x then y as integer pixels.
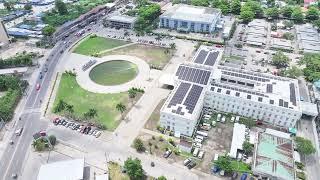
{"type": "Point", "coordinates": [223, 119]}
{"type": "Point", "coordinates": [186, 162]}
{"type": "Point", "coordinates": [167, 153]}
{"type": "Point", "coordinates": [98, 134]}
{"type": "Point", "coordinates": [19, 131]}
{"type": "Point", "coordinates": [234, 176]}
{"type": "Point", "coordinates": [222, 173]}
{"type": "Point", "coordinates": [195, 152]}
{"type": "Point", "coordinates": [201, 154]}
{"type": "Point", "coordinates": [215, 169]}
{"type": "Point", "coordinates": [244, 176]}
{"type": "Point", "coordinates": [191, 165]}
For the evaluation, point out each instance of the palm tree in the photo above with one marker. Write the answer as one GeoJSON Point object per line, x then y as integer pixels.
{"type": "Point", "coordinates": [172, 46]}
{"type": "Point", "coordinates": [121, 108]}
{"type": "Point", "coordinates": [90, 114]}
{"type": "Point", "coordinates": [69, 109]}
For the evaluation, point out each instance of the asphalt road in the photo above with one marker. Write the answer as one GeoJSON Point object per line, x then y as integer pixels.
{"type": "Point", "coordinates": [14, 155]}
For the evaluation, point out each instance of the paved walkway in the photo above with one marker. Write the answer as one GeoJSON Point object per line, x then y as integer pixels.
{"type": "Point", "coordinates": [76, 61]}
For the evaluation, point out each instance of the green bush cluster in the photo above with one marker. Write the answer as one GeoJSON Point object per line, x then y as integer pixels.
{"type": "Point", "coordinates": [13, 88]}
{"type": "Point", "coordinates": [23, 59]}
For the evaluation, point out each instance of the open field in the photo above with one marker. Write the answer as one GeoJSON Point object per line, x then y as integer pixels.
{"type": "Point", "coordinates": [114, 72]}
{"type": "Point", "coordinates": [94, 45]}
{"type": "Point", "coordinates": [82, 100]}
{"type": "Point", "coordinates": [115, 172]}
{"type": "Point", "coordinates": [154, 56]}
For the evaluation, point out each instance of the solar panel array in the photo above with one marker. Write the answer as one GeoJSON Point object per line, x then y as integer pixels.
{"type": "Point", "coordinates": [265, 77]}
{"type": "Point", "coordinates": [194, 75]}
{"type": "Point", "coordinates": [179, 94]}
{"type": "Point", "coordinates": [211, 59]}
{"type": "Point", "coordinates": [240, 90]}
{"type": "Point", "coordinates": [193, 97]}
{"type": "Point", "coordinates": [293, 98]}
{"type": "Point", "coordinates": [245, 76]}
{"type": "Point", "coordinates": [201, 57]}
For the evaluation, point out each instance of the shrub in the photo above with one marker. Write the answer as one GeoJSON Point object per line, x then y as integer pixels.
{"type": "Point", "coordinates": [93, 36]}
{"type": "Point", "coordinates": [299, 165]}
{"type": "Point", "coordinates": [52, 140]}
{"type": "Point", "coordinates": [171, 142]}
{"type": "Point", "coordinates": [161, 138]}
{"type": "Point", "coordinates": [138, 145]}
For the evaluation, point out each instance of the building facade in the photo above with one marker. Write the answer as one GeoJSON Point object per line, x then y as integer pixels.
{"type": "Point", "coordinates": [203, 84]}
{"type": "Point", "coordinates": [120, 21]}
{"type": "Point", "coordinates": [187, 18]}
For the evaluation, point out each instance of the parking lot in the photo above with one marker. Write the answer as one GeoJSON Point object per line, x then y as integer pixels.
{"type": "Point", "coordinates": [84, 128]}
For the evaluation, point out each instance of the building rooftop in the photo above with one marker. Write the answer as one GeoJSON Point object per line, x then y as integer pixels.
{"type": "Point", "coordinates": [281, 43]}
{"type": "Point", "coordinates": [274, 157]}
{"type": "Point", "coordinates": [63, 170]}
{"type": "Point", "coordinates": [207, 57]}
{"type": "Point", "coordinates": [258, 23]}
{"type": "Point", "coordinates": [308, 38]}
{"type": "Point", "coordinates": [259, 87]}
{"type": "Point", "coordinates": [122, 18]}
{"type": "Point", "coordinates": [192, 13]}
{"type": "Point", "coordinates": [238, 137]}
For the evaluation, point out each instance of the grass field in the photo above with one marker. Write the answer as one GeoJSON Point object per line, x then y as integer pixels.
{"type": "Point", "coordinates": [240, 166]}
{"type": "Point", "coordinates": [115, 172]}
{"type": "Point", "coordinates": [114, 72]}
{"type": "Point", "coordinates": [94, 45]}
{"type": "Point", "coordinates": [155, 56]}
{"type": "Point", "coordinates": [83, 100]}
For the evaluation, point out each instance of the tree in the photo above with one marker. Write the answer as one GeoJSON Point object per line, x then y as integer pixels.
{"type": "Point", "coordinates": [312, 13]}
{"type": "Point", "coordinates": [134, 168]}
{"type": "Point", "coordinates": [297, 15]}
{"type": "Point", "coordinates": [246, 16]}
{"type": "Point", "coordinates": [292, 72]}
{"type": "Point", "coordinates": [288, 24]}
{"type": "Point", "coordinates": [91, 113]}
{"type": "Point", "coordinates": [271, 3]}
{"type": "Point", "coordinates": [121, 108]}
{"type": "Point", "coordinates": [60, 106]}
{"type": "Point", "coordinates": [204, 3]}
{"type": "Point", "coordinates": [172, 46]}
{"type": "Point", "coordinates": [28, 7]}
{"type": "Point", "coordinates": [247, 147]}
{"type": "Point", "coordinates": [132, 93]}
{"type": "Point", "coordinates": [312, 69]}
{"type": "Point", "coordinates": [288, 36]}
{"type": "Point", "coordinates": [69, 109]}
{"type": "Point", "coordinates": [52, 140]}
{"type": "Point", "coordinates": [304, 146]}
{"type": "Point", "coordinates": [272, 12]}
{"type": "Point", "coordinates": [9, 5]}
{"type": "Point", "coordinates": [287, 11]}
{"type": "Point", "coordinates": [138, 145]}
{"type": "Point", "coordinates": [39, 144]}
{"type": "Point", "coordinates": [61, 7]}
{"type": "Point", "coordinates": [224, 163]}
{"type": "Point", "coordinates": [235, 6]}
{"type": "Point", "coordinates": [253, 6]}
{"type": "Point", "coordinates": [161, 178]}
{"type": "Point", "coordinates": [48, 30]}
{"type": "Point", "coordinates": [280, 60]}
{"type": "Point", "coordinates": [316, 23]}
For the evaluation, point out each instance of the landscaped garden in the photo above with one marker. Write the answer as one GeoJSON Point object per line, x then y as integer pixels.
{"type": "Point", "coordinates": [78, 102]}
{"type": "Point", "coordinates": [156, 57]}
{"type": "Point", "coordinates": [93, 45]}
{"type": "Point", "coordinates": [114, 72]}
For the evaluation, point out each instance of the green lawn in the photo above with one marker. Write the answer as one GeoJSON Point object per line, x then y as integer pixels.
{"type": "Point", "coordinates": [83, 100]}
{"type": "Point", "coordinates": [114, 72]}
{"type": "Point", "coordinates": [115, 172]}
{"type": "Point", "coordinates": [94, 45]}
{"type": "Point", "coordinates": [155, 56]}
{"type": "Point", "coordinates": [240, 166]}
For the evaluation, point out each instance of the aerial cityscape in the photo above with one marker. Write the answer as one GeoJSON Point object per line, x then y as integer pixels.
{"type": "Point", "coordinates": [159, 90]}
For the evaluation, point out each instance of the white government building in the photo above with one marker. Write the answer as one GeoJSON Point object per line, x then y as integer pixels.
{"type": "Point", "coordinates": [188, 18]}
{"type": "Point", "coordinates": [205, 84]}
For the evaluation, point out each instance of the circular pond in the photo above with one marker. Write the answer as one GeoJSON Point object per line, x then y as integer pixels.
{"type": "Point", "coordinates": [114, 72]}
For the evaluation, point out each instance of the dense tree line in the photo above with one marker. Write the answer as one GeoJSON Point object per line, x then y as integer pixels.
{"type": "Point", "coordinates": [312, 70]}
{"type": "Point", "coordinates": [23, 59]}
{"type": "Point", "coordinates": [13, 87]}
{"type": "Point", "coordinates": [147, 14]}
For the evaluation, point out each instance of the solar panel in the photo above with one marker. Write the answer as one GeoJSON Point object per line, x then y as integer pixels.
{"type": "Point", "coordinates": [211, 59]}
{"type": "Point", "coordinates": [293, 98]}
{"type": "Point", "coordinates": [201, 57]}
{"type": "Point", "coordinates": [193, 75]}
{"type": "Point", "coordinates": [193, 97]}
{"type": "Point", "coordinates": [179, 94]}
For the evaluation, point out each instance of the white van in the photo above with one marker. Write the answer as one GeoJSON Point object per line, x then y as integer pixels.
{"type": "Point", "coordinates": [223, 119]}
{"type": "Point", "coordinates": [198, 140]}
{"type": "Point", "coordinates": [201, 133]}
{"type": "Point", "coordinates": [199, 137]}
{"type": "Point", "coordinates": [213, 123]}
{"type": "Point", "coordinates": [216, 157]}
{"type": "Point", "coordinates": [200, 155]}
{"type": "Point", "coordinates": [195, 152]}
{"type": "Point", "coordinates": [237, 118]}
{"type": "Point", "coordinates": [218, 117]}
{"type": "Point", "coordinates": [232, 119]}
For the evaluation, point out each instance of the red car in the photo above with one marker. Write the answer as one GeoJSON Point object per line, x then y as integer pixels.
{"type": "Point", "coordinates": [38, 87]}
